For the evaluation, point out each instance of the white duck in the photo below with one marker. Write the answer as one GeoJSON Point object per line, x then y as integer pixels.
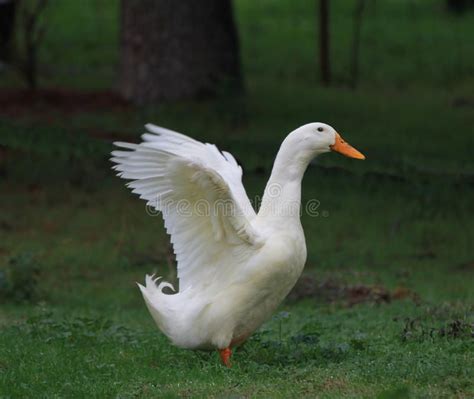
{"type": "Point", "coordinates": [234, 266]}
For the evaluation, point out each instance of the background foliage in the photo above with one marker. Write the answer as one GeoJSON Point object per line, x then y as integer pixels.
{"type": "Point", "coordinates": [386, 306]}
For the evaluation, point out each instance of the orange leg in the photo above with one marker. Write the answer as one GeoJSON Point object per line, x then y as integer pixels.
{"type": "Point", "coordinates": [225, 356]}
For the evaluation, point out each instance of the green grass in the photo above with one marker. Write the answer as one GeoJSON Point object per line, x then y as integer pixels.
{"type": "Point", "coordinates": [399, 222]}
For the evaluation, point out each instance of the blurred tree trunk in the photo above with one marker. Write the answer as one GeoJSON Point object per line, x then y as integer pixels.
{"type": "Point", "coordinates": [324, 52]}
{"type": "Point", "coordinates": [33, 32]}
{"type": "Point", "coordinates": [178, 49]}
{"type": "Point", "coordinates": [358, 14]}
{"type": "Point", "coordinates": [459, 6]}
{"type": "Point", "coordinates": [7, 22]}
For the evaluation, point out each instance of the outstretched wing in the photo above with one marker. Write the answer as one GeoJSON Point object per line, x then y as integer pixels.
{"type": "Point", "coordinates": [199, 191]}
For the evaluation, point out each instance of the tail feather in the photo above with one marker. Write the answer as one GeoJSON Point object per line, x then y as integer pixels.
{"type": "Point", "coordinates": [177, 315]}
{"type": "Point", "coordinates": [158, 303]}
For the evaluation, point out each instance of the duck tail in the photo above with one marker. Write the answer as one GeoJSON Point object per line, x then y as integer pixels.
{"type": "Point", "coordinates": [159, 304]}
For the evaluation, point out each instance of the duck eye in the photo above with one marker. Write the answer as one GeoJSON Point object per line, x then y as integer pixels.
{"type": "Point", "coordinates": [320, 129]}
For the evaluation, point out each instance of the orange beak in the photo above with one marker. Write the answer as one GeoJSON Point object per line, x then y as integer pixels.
{"type": "Point", "coordinates": [345, 149]}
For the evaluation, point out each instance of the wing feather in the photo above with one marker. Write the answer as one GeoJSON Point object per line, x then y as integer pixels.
{"type": "Point", "coordinates": [199, 191]}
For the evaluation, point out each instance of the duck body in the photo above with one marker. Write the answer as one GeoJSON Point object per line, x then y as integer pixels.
{"type": "Point", "coordinates": [235, 266]}
{"type": "Point", "coordinates": [224, 312]}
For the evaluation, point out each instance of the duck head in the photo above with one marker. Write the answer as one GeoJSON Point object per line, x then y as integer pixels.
{"type": "Point", "coordinates": [317, 138]}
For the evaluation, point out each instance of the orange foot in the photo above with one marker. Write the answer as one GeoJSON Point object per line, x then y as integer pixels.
{"type": "Point", "coordinates": [225, 356]}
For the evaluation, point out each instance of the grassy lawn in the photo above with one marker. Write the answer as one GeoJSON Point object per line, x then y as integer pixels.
{"type": "Point", "coordinates": [386, 305]}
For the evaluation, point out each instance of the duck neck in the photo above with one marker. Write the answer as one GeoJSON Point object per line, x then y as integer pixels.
{"type": "Point", "coordinates": [282, 196]}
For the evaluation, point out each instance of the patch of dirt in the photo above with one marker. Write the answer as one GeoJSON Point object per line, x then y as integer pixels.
{"type": "Point", "coordinates": [332, 290]}
{"type": "Point", "coordinates": [21, 102]}
{"type": "Point", "coordinates": [333, 383]}
{"type": "Point", "coordinates": [5, 226]}
{"type": "Point", "coordinates": [425, 254]}
{"type": "Point", "coordinates": [466, 266]}
{"type": "Point", "coordinates": [419, 330]}
{"type": "Point", "coordinates": [463, 102]}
